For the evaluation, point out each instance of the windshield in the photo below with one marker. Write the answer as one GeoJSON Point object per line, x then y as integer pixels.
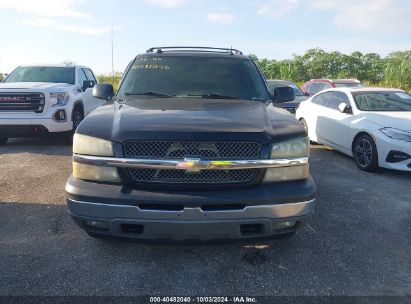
{"type": "Point", "coordinates": [383, 101]}
{"type": "Point", "coordinates": [348, 85]}
{"type": "Point", "coordinates": [186, 76]}
{"type": "Point", "coordinates": [42, 74]}
{"type": "Point", "coordinates": [273, 85]}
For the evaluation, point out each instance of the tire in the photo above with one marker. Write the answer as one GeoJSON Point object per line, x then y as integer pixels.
{"type": "Point", "coordinates": [365, 153]}
{"type": "Point", "coordinates": [77, 117]}
{"type": "Point", "coordinates": [3, 140]}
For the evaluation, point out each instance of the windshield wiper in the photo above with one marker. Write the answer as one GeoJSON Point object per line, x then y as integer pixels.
{"type": "Point", "coordinates": [214, 96]}
{"type": "Point", "coordinates": [149, 93]}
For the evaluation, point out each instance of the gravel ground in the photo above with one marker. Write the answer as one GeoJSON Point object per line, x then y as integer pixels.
{"type": "Point", "coordinates": [358, 242]}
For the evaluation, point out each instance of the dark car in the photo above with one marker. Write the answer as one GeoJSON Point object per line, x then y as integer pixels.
{"type": "Point", "coordinates": [190, 148]}
{"type": "Point", "coordinates": [317, 85]}
{"type": "Point", "coordinates": [299, 95]}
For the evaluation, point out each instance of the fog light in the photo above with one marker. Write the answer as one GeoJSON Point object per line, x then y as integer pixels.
{"type": "Point", "coordinates": [397, 156]}
{"type": "Point", "coordinates": [97, 225]}
{"type": "Point", "coordinates": [283, 225]}
{"type": "Point", "coordinates": [60, 115]}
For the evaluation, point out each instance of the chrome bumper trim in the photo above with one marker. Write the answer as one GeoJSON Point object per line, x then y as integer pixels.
{"type": "Point", "coordinates": [110, 211]}
{"type": "Point", "coordinates": [188, 164]}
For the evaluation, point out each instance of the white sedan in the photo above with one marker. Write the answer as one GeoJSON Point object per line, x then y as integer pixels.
{"type": "Point", "coordinates": [373, 125]}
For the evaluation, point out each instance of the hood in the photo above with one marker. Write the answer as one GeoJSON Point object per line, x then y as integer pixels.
{"type": "Point", "coordinates": [32, 85]}
{"type": "Point", "coordinates": [191, 119]}
{"type": "Point", "coordinates": [398, 120]}
{"type": "Point", "coordinates": [294, 103]}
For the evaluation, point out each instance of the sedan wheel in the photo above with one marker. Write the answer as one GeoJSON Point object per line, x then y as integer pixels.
{"type": "Point", "coordinates": [365, 153]}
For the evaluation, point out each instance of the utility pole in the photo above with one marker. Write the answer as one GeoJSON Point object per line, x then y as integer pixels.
{"type": "Point", "coordinates": [112, 53]}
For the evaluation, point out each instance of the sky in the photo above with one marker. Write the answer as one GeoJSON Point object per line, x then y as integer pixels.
{"type": "Point", "coordinates": [54, 31]}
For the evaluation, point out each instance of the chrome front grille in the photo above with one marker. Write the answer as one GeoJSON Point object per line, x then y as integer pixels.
{"type": "Point", "coordinates": [22, 102]}
{"type": "Point", "coordinates": [191, 149]}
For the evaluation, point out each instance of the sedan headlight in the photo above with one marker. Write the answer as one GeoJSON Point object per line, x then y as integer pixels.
{"type": "Point", "coordinates": [296, 148]}
{"type": "Point", "coordinates": [59, 98]}
{"type": "Point", "coordinates": [396, 134]}
{"type": "Point", "coordinates": [88, 145]}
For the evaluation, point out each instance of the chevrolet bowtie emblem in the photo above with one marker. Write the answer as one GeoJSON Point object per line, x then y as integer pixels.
{"type": "Point", "coordinates": [191, 165]}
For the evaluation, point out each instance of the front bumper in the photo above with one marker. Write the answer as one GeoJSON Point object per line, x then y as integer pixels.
{"type": "Point", "coordinates": [16, 127]}
{"type": "Point", "coordinates": [385, 145]}
{"type": "Point", "coordinates": [258, 212]}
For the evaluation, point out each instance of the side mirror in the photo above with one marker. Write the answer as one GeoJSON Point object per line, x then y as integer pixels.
{"type": "Point", "coordinates": [103, 91]}
{"type": "Point", "coordinates": [344, 108]}
{"type": "Point", "coordinates": [307, 94]}
{"type": "Point", "coordinates": [88, 84]}
{"type": "Point", "coordinates": [283, 94]}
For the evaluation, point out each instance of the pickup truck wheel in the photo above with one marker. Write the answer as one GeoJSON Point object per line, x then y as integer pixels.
{"type": "Point", "coordinates": [77, 117]}
{"type": "Point", "coordinates": [365, 153]}
{"type": "Point", "coordinates": [3, 140]}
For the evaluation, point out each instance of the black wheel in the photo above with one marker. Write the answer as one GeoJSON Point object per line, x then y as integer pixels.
{"type": "Point", "coordinates": [77, 117]}
{"type": "Point", "coordinates": [3, 140]}
{"type": "Point", "coordinates": [365, 153]}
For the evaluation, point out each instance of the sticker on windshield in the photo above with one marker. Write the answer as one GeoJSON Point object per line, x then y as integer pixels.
{"type": "Point", "coordinates": [151, 67]}
{"type": "Point", "coordinates": [403, 95]}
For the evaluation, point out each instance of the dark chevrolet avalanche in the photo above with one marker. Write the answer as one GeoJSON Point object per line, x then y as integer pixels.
{"type": "Point", "coordinates": [191, 148]}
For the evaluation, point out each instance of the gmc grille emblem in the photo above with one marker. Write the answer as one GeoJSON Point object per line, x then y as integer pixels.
{"type": "Point", "coordinates": [12, 99]}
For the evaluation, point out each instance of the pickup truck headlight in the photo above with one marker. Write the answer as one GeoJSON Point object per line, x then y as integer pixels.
{"type": "Point", "coordinates": [296, 148]}
{"type": "Point", "coordinates": [59, 98]}
{"type": "Point", "coordinates": [396, 134]}
{"type": "Point", "coordinates": [87, 145]}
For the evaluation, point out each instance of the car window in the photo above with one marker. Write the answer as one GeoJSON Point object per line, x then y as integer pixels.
{"type": "Point", "coordinates": [321, 99]}
{"type": "Point", "coordinates": [89, 75]}
{"type": "Point", "coordinates": [317, 87]}
{"type": "Point", "coordinates": [81, 77]}
{"type": "Point", "coordinates": [383, 101]}
{"type": "Point", "coordinates": [336, 98]}
{"type": "Point", "coordinates": [194, 76]}
{"type": "Point", "coordinates": [42, 74]}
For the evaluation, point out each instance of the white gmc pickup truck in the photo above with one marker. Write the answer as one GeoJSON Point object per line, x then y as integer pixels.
{"type": "Point", "coordinates": [45, 99]}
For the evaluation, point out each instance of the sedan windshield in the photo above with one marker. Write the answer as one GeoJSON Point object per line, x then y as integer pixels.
{"type": "Point", "coordinates": [194, 77]}
{"type": "Point", "coordinates": [42, 74]}
{"type": "Point", "coordinates": [383, 101]}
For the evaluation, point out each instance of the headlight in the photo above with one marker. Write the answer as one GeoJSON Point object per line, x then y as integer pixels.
{"type": "Point", "coordinates": [291, 149]}
{"type": "Point", "coordinates": [96, 173]}
{"type": "Point", "coordinates": [287, 150]}
{"type": "Point", "coordinates": [396, 134]}
{"type": "Point", "coordinates": [59, 98]}
{"type": "Point", "coordinates": [83, 144]}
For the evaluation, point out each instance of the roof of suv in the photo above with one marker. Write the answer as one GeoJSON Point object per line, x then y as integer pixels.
{"type": "Point", "coordinates": [196, 51]}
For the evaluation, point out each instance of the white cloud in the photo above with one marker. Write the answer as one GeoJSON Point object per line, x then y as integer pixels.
{"type": "Point", "coordinates": [377, 16]}
{"type": "Point", "coordinates": [166, 3]}
{"type": "Point", "coordinates": [221, 18]}
{"type": "Point", "coordinates": [87, 30]}
{"type": "Point", "coordinates": [381, 16]}
{"type": "Point", "coordinates": [54, 8]}
{"type": "Point", "coordinates": [278, 8]}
